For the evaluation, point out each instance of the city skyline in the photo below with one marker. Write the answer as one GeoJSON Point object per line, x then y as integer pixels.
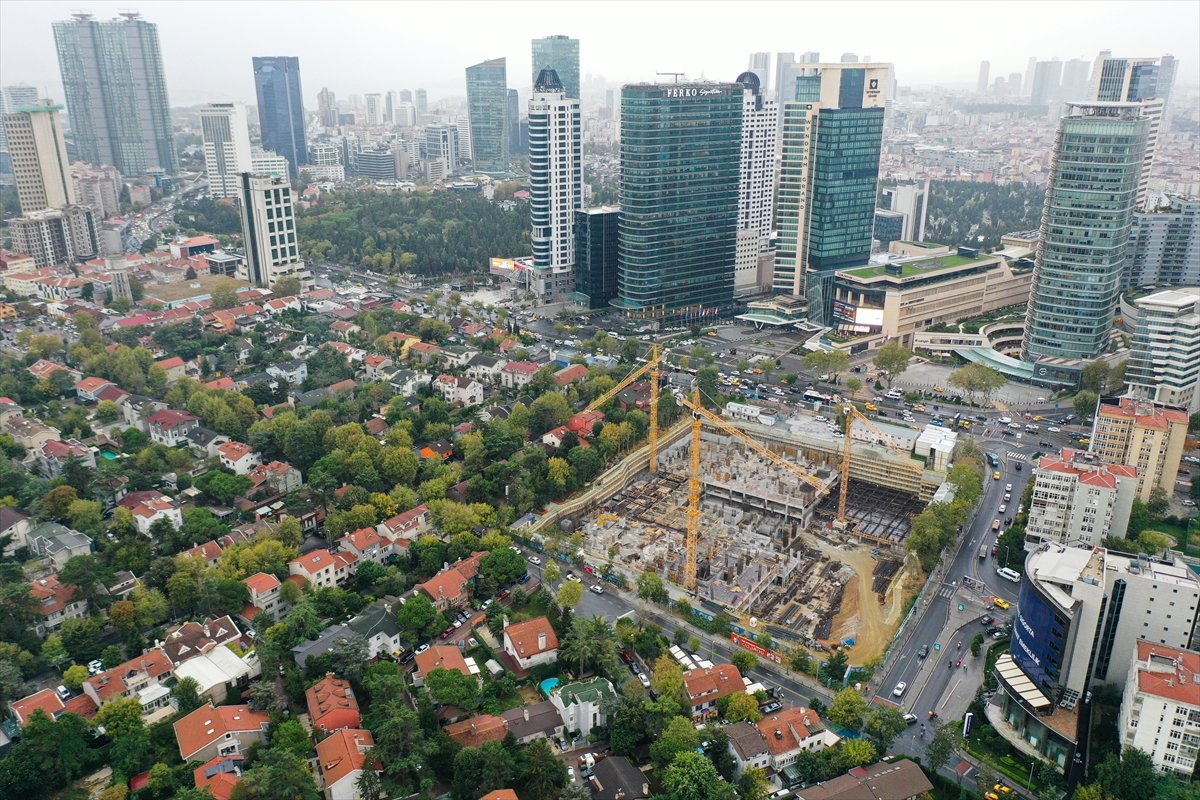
{"type": "Point", "coordinates": [619, 53]}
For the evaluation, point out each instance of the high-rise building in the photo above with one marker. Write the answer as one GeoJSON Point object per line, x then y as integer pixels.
{"type": "Point", "coordinates": [1014, 84]}
{"type": "Point", "coordinates": [831, 137]}
{"type": "Point", "coordinates": [1075, 82]}
{"type": "Point", "coordinates": [680, 167]}
{"type": "Point", "coordinates": [889, 227]}
{"type": "Point", "coordinates": [911, 200]}
{"type": "Point", "coordinates": [756, 187]}
{"type": "Point", "coordinates": [55, 236]}
{"type": "Point", "coordinates": [849, 58]}
{"type": "Point", "coordinates": [116, 92]}
{"type": "Point", "coordinates": [487, 107]}
{"type": "Point", "coordinates": [265, 162]}
{"type": "Point", "coordinates": [1081, 615]}
{"type": "Point", "coordinates": [1090, 195]}
{"type": "Point", "coordinates": [226, 137]}
{"type": "Point", "coordinates": [1027, 81]}
{"type": "Point", "coordinates": [281, 108]}
{"type": "Point", "coordinates": [374, 103]}
{"type": "Point", "coordinates": [377, 163]}
{"type": "Point", "coordinates": [12, 97]}
{"type": "Point", "coordinates": [269, 233]}
{"type": "Point", "coordinates": [441, 142]}
{"type": "Point", "coordinates": [1168, 67]}
{"type": "Point", "coordinates": [1164, 357]}
{"type": "Point", "coordinates": [1164, 246]}
{"type": "Point", "coordinates": [1143, 435]}
{"type": "Point", "coordinates": [421, 101]}
{"type": "Point", "coordinates": [596, 255]}
{"type": "Point", "coordinates": [1047, 82]}
{"type": "Point", "coordinates": [981, 85]}
{"type": "Point", "coordinates": [326, 162]}
{"type": "Point", "coordinates": [39, 157]}
{"type": "Point", "coordinates": [760, 65]}
{"type": "Point", "coordinates": [561, 54]}
{"type": "Point", "coordinates": [555, 182]}
{"type": "Point", "coordinates": [1160, 708]}
{"type": "Point", "coordinates": [1133, 80]}
{"type": "Point", "coordinates": [512, 119]}
{"type": "Point", "coordinates": [327, 108]}
{"type": "Point", "coordinates": [99, 188]}
{"type": "Point", "coordinates": [1078, 500]}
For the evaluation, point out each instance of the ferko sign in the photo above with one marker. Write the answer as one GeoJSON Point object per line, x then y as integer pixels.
{"type": "Point", "coordinates": [692, 91]}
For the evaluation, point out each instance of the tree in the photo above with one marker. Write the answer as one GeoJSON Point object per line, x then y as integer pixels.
{"type": "Point", "coordinates": [81, 637]}
{"type": "Point", "coordinates": [1085, 404]}
{"type": "Point", "coordinates": [893, 360]}
{"type": "Point", "coordinates": [479, 770]}
{"type": "Point", "coordinates": [667, 678]}
{"type": "Point", "coordinates": [277, 773]}
{"type": "Point", "coordinates": [74, 677]}
{"type": "Point", "coordinates": [54, 652]}
{"type": "Point", "coordinates": [450, 687]}
{"type": "Point", "coordinates": [56, 501]}
{"type": "Point", "coordinates": [85, 516]}
{"type": "Point", "coordinates": [691, 776]}
{"type": "Point", "coordinates": [569, 594]}
{"type": "Point", "coordinates": [85, 573]}
{"type": "Point", "coordinates": [848, 709]}
{"type": "Point", "coordinates": [1129, 775]}
{"type": "Point", "coordinates": [224, 296]}
{"type": "Point", "coordinates": [1094, 377]}
{"type": "Point", "coordinates": [351, 653]}
{"type": "Point", "coordinates": [543, 775]}
{"type": "Point", "coordinates": [946, 739]}
{"type": "Point", "coordinates": [883, 724]}
{"type": "Point", "coordinates": [826, 362]}
{"type": "Point", "coordinates": [187, 695]}
{"type": "Point", "coordinates": [679, 736]}
{"type": "Point", "coordinates": [419, 620]}
{"type": "Point", "coordinates": [287, 286]}
{"type": "Point", "coordinates": [853, 384]}
{"type": "Point", "coordinates": [744, 660]}
{"type": "Point", "coordinates": [650, 587]}
{"type": "Point", "coordinates": [742, 707]}
{"type": "Point", "coordinates": [123, 725]}
{"type": "Point", "coordinates": [551, 574]}
{"type": "Point", "coordinates": [833, 671]}
{"type": "Point", "coordinates": [977, 379]}
{"type": "Point", "coordinates": [290, 736]}
{"type": "Point", "coordinates": [753, 785]}
{"type": "Point", "coordinates": [856, 752]}
{"type": "Point", "coordinates": [1159, 503]}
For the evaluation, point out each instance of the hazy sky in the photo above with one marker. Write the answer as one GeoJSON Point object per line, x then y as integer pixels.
{"type": "Point", "coordinates": [358, 47]}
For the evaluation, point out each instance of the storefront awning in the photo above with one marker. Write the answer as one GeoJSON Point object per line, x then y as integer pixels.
{"type": "Point", "coordinates": [1019, 683]}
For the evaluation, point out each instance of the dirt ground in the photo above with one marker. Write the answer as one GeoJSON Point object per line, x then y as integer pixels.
{"type": "Point", "coordinates": [529, 694]}
{"type": "Point", "coordinates": [861, 618]}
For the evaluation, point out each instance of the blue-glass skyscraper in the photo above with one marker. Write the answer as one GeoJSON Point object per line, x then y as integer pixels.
{"type": "Point", "coordinates": [561, 54]}
{"type": "Point", "coordinates": [281, 108]}
{"type": "Point", "coordinates": [488, 111]}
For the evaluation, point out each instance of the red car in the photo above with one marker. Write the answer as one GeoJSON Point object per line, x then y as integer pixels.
{"type": "Point", "coordinates": [503, 595]}
{"type": "Point", "coordinates": [446, 633]}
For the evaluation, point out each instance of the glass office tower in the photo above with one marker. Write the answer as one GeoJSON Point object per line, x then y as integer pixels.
{"type": "Point", "coordinates": [561, 54]}
{"type": "Point", "coordinates": [281, 108]}
{"type": "Point", "coordinates": [596, 255]}
{"type": "Point", "coordinates": [1090, 199]}
{"type": "Point", "coordinates": [487, 107]}
{"type": "Point", "coordinates": [680, 168]}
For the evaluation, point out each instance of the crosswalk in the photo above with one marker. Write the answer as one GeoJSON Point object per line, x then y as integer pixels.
{"type": "Point", "coordinates": [946, 591]}
{"type": "Point", "coordinates": [1017, 456]}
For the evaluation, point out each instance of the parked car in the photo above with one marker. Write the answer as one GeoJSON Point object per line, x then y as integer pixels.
{"type": "Point", "coordinates": [771, 707]}
{"type": "Point", "coordinates": [643, 680]}
{"type": "Point", "coordinates": [535, 561]}
{"type": "Point", "coordinates": [597, 588]}
{"type": "Point", "coordinates": [95, 667]}
{"type": "Point", "coordinates": [910, 719]}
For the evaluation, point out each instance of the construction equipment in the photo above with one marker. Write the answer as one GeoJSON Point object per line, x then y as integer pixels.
{"type": "Point", "coordinates": [700, 415]}
{"type": "Point", "coordinates": [651, 367]}
{"type": "Point", "coordinates": [852, 414]}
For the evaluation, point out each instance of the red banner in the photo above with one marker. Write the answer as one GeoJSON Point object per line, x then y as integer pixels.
{"type": "Point", "coordinates": [754, 647]}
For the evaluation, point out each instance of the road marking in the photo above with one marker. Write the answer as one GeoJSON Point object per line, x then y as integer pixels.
{"type": "Point", "coordinates": [1017, 456]}
{"type": "Point", "coordinates": [946, 591]}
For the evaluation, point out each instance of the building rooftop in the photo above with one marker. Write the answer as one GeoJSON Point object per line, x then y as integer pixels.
{"type": "Point", "coordinates": [207, 724]}
{"type": "Point", "coordinates": [917, 267]}
{"type": "Point", "coordinates": [532, 637]}
{"type": "Point", "coordinates": [1168, 672]}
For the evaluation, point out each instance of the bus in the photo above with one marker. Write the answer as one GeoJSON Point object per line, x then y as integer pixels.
{"type": "Point", "coordinates": [993, 462]}
{"type": "Point", "coordinates": [816, 397]}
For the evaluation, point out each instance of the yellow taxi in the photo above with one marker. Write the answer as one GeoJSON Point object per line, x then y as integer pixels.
{"type": "Point", "coordinates": [1035, 419]}
{"type": "Point", "coordinates": [757, 371]}
{"type": "Point", "coordinates": [919, 407]}
{"type": "Point", "coordinates": [711, 333]}
{"type": "Point", "coordinates": [1001, 603]}
{"type": "Point", "coordinates": [870, 407]}
{"type": "Point", "coordinates": [996, 475]}
{"type": "Point", "coordinates": [939, 389]}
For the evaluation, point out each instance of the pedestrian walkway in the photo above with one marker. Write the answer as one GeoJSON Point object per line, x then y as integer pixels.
{"type": "Point", "coordinates": [946, 591]}
{"type": "Point", "coordinates": [1015, 456]}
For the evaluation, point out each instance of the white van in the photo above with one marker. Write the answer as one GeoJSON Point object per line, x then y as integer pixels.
{"type": "Point", "coordinates": [1008, 574]}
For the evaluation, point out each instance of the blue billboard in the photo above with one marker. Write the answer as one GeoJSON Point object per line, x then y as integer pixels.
{"type": "Point", "coordinates": [1038, 637]}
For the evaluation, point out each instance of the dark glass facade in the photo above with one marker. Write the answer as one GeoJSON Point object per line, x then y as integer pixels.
{"type": "Point", "coordinates": [561, 54]}
{"type": "Point", "coordinates": [680, 169]}
{"type": "Point", "coordinates": [281, 108]}
{"type": "Point", "coordinates": [596, 255]}
{"type": "Point", "coordinates": [487, 107]}
{"type": "Point", "coordinates": [1039, 637]}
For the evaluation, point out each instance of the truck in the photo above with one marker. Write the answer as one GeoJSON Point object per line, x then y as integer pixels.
{"type": "Point", "coordinates": [995, 524]}
{"type": "Point", "coordinates": [983, 550]}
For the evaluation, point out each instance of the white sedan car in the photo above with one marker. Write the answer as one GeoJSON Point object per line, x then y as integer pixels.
{"type": "Point", "coordinates": [900, 689]}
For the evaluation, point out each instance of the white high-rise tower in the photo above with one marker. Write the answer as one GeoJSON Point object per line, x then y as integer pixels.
{"type": "Point", "coordinates": [756, 187]}
{"type": "Point", "coordinates": [555, 183]}
{"type": "Point", "coordinates": [227, 151]}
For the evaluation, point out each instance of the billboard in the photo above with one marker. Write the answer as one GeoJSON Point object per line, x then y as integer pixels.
{"type": "Point", "coordinates": [863, 319]}
{"type": "Point", "coordinates": [754, 647]}
{"type": "Point", "coordinates": [1036, 625]}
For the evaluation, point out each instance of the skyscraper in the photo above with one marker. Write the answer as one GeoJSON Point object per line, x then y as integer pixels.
{"type": "Point", "coordinates": [680, 166]}
{"type": "Point", "coordinates": [421, 101]}
{"type": "Point", "coordinates": [269, 232]}
{"type": "Point", "coordinates": [10, 98]}
{"type": "Point", "coordinates": [1027, 81]}
{"type": "Point", "coordinates": [756, 187]}
{"type": "Point", "coordinates": [1014, 84]}
{"type": "Point", "coordinates": [327, 108]}
{"type": "Point", "coordinates": [561, 54]}
{"type": "Point", "coordinates": [981, 85]}
{"type": "Point", "coordinates": [1132, 80]}
{"type": "Point", "coordinates": [1090, 199]}
{"type": "Point", "coordinates": [39, 157]}
{"type": "Point", "coordinates": [487, 107]}
{"type": "Point", "coordinates": [227, 153]}
{"type": "Point", "coordinates": [1047, 83]}
{"type": "Point", "coordinates": [760, 65]}
{"type": "Point", "coordinates": [112, 76]}
{"type": "Point", "coordinates": [1167, 69]}
{"type": "Point", "coordinates": [596, 255]}
{"type": "Point", "coordinates": [1164, 357]}
{"type": "Point", "coordinates": [441, 142]}
{"type": "Point", "coordinates": [512, 119]}
{"type": "Point", "coordinates": [1164, 246]}
{"type": "Point", "coordinates": [1075, 79]}
{"type": "Point", "coordinates": [831, 137]}
{"type": "Point", "coordinates": [374, 103]}
{"type": "Point", "coordinates": [281, 108]}
{"type": "Point", "coordinates": [555, 182]}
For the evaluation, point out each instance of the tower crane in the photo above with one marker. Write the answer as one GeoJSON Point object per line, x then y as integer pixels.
{"type": "Point", "coordinates": [700, 415]}
{"type": "Point", "coordinates": [651, 367]}
{"type": "Point", "coordinates": [852, 415]}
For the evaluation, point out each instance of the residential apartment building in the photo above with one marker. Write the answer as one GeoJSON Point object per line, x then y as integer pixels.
{"type": "Point", "coordinates": [1148, 437]}
{"type": "Point", "coordinates": [98, 188]}
{"type": "Point", "coordinates": [555, 184]}
{"type": "Point", "coordinates": [1160, 707]}
{"type": "Point", "coordinates": [269, 233]}
{"type": "Point", "coordinates": [1078, 499]}
{"type": "Point", "coordinates": [66, 235]}
{"type": "Point", "coordinates": [1164, 356]}
{"type": "Point", "coordinates": [39, 157]}
{"type": "Point", "coordinates": [1164, 246]}
{"type": "Point", "coordinates": [756, 184]}
{"type": "Point", "coordinates": [226, 137]}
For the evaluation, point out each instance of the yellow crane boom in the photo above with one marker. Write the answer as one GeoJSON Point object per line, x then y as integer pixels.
{"type": "Point", "coordinates": [853, 414]}
{"type": "Point", "coordinates": [651, 367]}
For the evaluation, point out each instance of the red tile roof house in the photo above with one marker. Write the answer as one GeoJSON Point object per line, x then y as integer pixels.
{"type": "Point", "coordinates": [173, 366]}
{"type": "Point", "coordinates": [516, 374]}
{"type": "Point", "coordinates": [238, 457]}
{"type": "Point", "coordinates": [52, 456]}
{"type": "Point", "coordinates": [341, 759]}
{"type": "Point", "coordinates": [209, 553]}
{"type": "Point", "coordinates": [707, 685]}
{"type": "Point", "coordinates": [410, 525]}
{"type": "Point", "coordinates": [442, 657]}
{"type": "Point", "coordinates": [219, 775]}
{"type": "Point", "coordinates": [170, 427]}
{"type": "Point", "coordinates": [531, 643]}
{"type": "Point", "coordinates": [375, 365]}
{"type": "Point", "coordinates": [331, 705]}
{"type": "Point", "coordinates": [44, 369]}
{"type": "Point", "coordinates": [209, 732]}
{"type": "Point", "coordinates": [449, 588]}
{"type": "Point", "coordinates": [50, 704]}
{"type": "Point", "coordinates": [571, 374]}
{"type": "Point", "coordinates": [366, 544]}
{"type": "Point", "coordinates": [790, 731]}
{"type": "Point", "coordinates": [477, 731]}
{"type": "Point", "coordinates": [150, 506]}
{"type": "Point", "coordinates": [554, 437]}
{"type": "Point", "coordinates": [279, 475]}
{"type": "Point", "coordinates": [264, 596]}
{"type": "Point", "coordinates": [195, 638]}
{"type": "Point", "coordinates": [583, 423]}
{"type": "Point", "coordinates": [55, 603]}
{"type": "Point", "coordinates": [88, 389]}
{"type": "Point", "coordinates": [323, 569]}
{"type": "Point", "coordinates": [141, 677]}
{"type": "Point", "coordinates": [423, 352]}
